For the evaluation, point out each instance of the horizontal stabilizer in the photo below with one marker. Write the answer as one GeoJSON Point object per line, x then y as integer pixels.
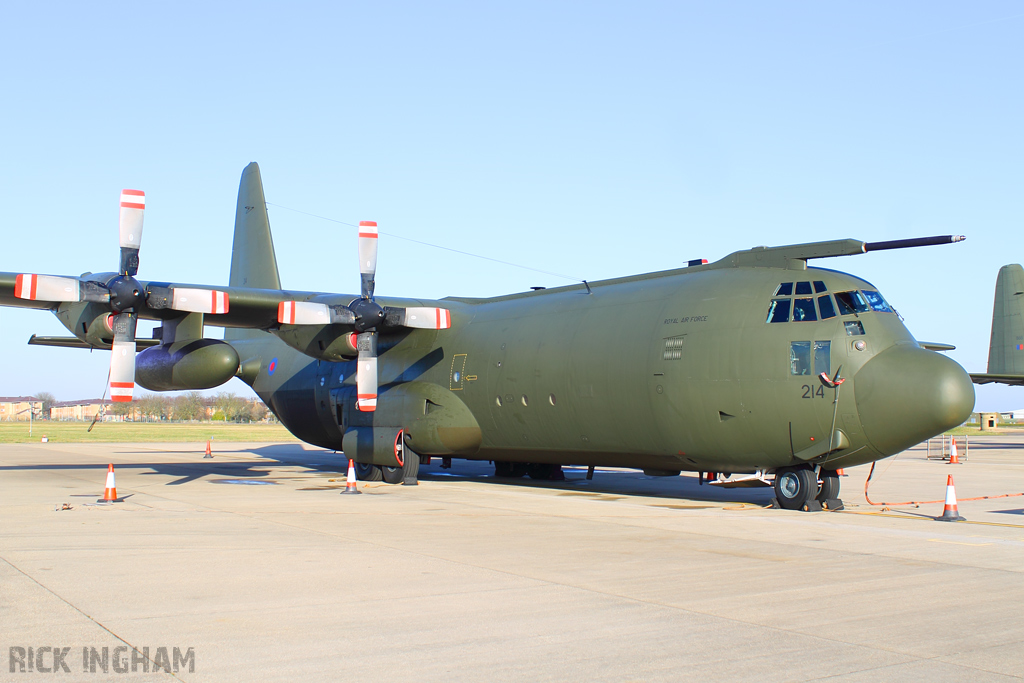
{"type": "Point", "coordinates": [76, 343]}
{"type": "Point", "coordinates": [1013, 380]}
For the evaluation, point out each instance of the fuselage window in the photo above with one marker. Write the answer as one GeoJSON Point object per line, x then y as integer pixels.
{"type": "Point", "coordinates": [803, 288]}
{"type": "Point", "coordinates": [819, 287]}
{"type": "Point", "coordinates": [851, 302]}
{"type": "Point", "coordinates": [876, 301]}
{"type": "Point", "coordinates": [803, 309]}
{"type": "Point", "coordinates": [778, 311]}
{"type": "Point", "coordinates": [785, 289]}
{"type": "Point", "coordinates": [826, 307]}
{"type": "Point", "coordinates": [823, 357]}
{"type": "Point", "coordinates": [800, 358]}
{"type": "Point", "coordinates": [854, 328]}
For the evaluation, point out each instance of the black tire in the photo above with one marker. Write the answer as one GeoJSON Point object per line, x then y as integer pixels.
{"type": "Point", "coordinates": [367, 472]}
{"type": "Point", "coordinates": [510, 470]}
{"type": "Point", "coordinates": [794, 486]}
{"type": "Point", "coordinates": [829, 485]}
{"type": "Point", "coordinates": [398, 475]}
{"type": "Point", "coordinates": [393, 475]}
{"type": "Point", "coordinates": [411, 469]}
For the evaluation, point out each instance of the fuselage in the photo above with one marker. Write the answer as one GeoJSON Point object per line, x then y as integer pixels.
{"type": "Point", "coordinates": [695, 369]}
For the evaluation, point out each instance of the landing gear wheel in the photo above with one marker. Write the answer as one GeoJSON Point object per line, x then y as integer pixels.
{"type": "Point", "coordinates": [411, 469]}
{"type": "Point", "coordinates": [511, 470]}
{"type": "Point", "coordinates": [392, 475]}
{"type": "Point", "coordinates": [367, 472]}
{"type": "Point", "coordinates": [407, 473]}
{"type": "Point", "coordinates": [829, 485]}
{"type": "Point", "coordinates": [795, 486]}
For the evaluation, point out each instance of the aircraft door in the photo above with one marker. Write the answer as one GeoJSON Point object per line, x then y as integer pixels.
{"type": "Point", "coordinates": [809, 400]}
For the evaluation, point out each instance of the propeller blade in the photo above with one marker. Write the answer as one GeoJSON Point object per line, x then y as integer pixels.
{"type": "Point", "coordinates": [46, 288]}
{"type": "Point", "coordinates": [426, 318]}
{"type": "Point", "coordinates": [367, 256]}
{"type": "Point", "coordinates": [366, 372]}
{"type": "Point", "coordinates": [303, 313]}
{"type": "Point", "coordinates": [133, 205]}
{"type": "Point", "coordinates": [122, 358]}
{"type": "Point", "coordinates": [199, 300]}
{"type": "Point", "coordinates": [313, 313]}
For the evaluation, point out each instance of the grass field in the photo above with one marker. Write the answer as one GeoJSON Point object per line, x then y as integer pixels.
{"type": "Point", "coordinates": [109, 432]}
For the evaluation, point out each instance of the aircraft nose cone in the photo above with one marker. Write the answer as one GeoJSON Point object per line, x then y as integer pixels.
{"type": "Point", "coordinates": [907, 394]}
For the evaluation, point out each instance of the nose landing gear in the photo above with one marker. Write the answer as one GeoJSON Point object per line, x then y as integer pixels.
{"type": "Point", "coordinates": [797, 488]}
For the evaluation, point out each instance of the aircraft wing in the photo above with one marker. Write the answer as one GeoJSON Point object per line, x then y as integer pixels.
{"type": "Point", "coordinates": [246, 307]}
{"type": "Point", "coordinates": [1012, 380]}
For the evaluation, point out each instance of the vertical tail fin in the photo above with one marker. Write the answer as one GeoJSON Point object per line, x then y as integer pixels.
{"type": "Point", "coordinates": [1006, 347]}
{"type": "Point", "coordinates": [253, 263]}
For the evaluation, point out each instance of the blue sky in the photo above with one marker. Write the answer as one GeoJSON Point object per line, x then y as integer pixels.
{"type": "Point", "coordinates": [589, 139]}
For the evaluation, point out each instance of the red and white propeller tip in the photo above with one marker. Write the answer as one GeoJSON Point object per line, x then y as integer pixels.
{"type": "Point", "coordinates": [46, 288]}
{"type": "Point", "coordinates": [133, 206]}
{"type": "Point", "coordinates": [122, 371]}
{"type": "Point", "coordinates": [366, 384]}
{"type": "Point", "coordinates": [303, 313]}
{"type": "Point", "coordinates": [208, 301]}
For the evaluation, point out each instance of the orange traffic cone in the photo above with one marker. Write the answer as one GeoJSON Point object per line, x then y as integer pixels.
{"type": "Point", "coordinates": [953, 457]}
{"type": "Point", "coordinates": [949, 511]}
{"type": "Point", "coordinates": [209, 454]}
{"type": "Point", "coordinates": [350, 483]}
{"type": "Point", "coordinates": [110, 492]}
{"type": "Point", "coordinates": [840, 472]}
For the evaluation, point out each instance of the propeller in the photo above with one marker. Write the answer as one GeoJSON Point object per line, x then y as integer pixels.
{"type": "Point", "coordinates": [123, 294]}
{"type": "Point", "coordinates": [366, 316]}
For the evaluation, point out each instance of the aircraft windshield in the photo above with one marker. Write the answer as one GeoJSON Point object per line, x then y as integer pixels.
{"type": "Point", "coordinates": [851, 302]}
{"type": "Point", "coordinates": [876, 302]}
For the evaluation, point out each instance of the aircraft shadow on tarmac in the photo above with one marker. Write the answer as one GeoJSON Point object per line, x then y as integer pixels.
{"type": "Point", "coordinates": [606, 482]}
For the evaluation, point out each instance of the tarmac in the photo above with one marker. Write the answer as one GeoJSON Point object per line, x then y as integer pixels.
{"type": "Point", "coordinates": [254, 561]}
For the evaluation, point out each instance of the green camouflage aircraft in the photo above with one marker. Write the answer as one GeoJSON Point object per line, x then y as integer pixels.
{"type": "Point", "coordinates": [1006, 346]}
{"type": "Point", "coordinates": [755, 368]}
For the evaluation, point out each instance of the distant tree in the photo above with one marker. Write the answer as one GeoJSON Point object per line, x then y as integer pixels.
{"type": "Point", "coordinates": [234, 408]}
{"type": "Point", "coordinates": [48, 400]}
{"type": "Point", "coordinates": [189, 406]}
{"type": "Point", "coordinates": [122, 408]}
{"type": "Point", "coordinates": [259, 412]}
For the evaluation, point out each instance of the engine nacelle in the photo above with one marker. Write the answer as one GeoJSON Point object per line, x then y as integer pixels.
{"type": "Point", "coordinates": [195, 364]}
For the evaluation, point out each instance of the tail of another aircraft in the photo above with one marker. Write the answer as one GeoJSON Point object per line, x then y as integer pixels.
{"type": "Point", "coordinates": [1006, 348]}
{"type": "Point", "coordinates": [253, 263]}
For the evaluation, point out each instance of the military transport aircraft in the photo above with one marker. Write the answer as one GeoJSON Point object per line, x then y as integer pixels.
{"type": "Point", "coordinates": [756, 367]}
{"type": "Point", "coordinates": [1006, 345]}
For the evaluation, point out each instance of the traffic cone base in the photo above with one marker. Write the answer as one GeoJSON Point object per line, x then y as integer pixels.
{"type": "Point", "coordinates": [110, 490]}
{"type": "Point", "coordinates": [350, 483]}
{"type": "Point", "coordinates": [949, 511]}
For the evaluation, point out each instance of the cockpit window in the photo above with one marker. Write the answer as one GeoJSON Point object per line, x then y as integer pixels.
{"type": "Point", "coordinates": [851, 302]}
{"type": "Point", "coordinates": [876, 302]}
{"type": "Point", "coordinates": [800, 358]}
{"type": "Point", "coordinates": [778, 311]}
{"type": "Point", "coordinates": [785, 289]}
{"type": "Point", "coordinates": [803, 288]}
{"type": "Point", "coordinates": [819, 287]}
{"type": "Point", "coordinates": [803, 309]}
{"type": "Point", "coordinates": [826, 307]}
{"type": "Point", "coordinates": [854, 328]}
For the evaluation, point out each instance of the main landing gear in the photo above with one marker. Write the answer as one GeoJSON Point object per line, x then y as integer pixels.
{"type": "Point", "coordinates": [539, 471]}
{"type": "Point", "coordinates": [798, 488]}
{"type": "Point", "coordinates": [406, 474]}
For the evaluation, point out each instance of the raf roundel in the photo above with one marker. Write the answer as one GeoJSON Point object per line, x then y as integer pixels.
{"type": "Point", "coordinates": [272, 366]}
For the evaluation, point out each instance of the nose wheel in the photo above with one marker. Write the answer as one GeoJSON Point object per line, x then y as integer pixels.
{"type": "Point", "coordinates": [795, 486]}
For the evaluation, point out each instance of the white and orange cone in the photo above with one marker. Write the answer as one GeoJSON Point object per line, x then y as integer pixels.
{"type": "Point", "coordinates": [954, 458]}
{"type": "Point", "coordinates": [110, 492]}
{"type": "Point", "coordinates": [350, 483]}
{"type": "Point", "coordinates": [209, 451]}
{"type": "Point", "coordinates": [949, 511]}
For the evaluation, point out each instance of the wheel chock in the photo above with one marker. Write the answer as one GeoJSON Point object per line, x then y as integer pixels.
{"type": "Point", "coordinates": [812, 506]}
{"type": "Point", "coordinates": [832, 504]}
